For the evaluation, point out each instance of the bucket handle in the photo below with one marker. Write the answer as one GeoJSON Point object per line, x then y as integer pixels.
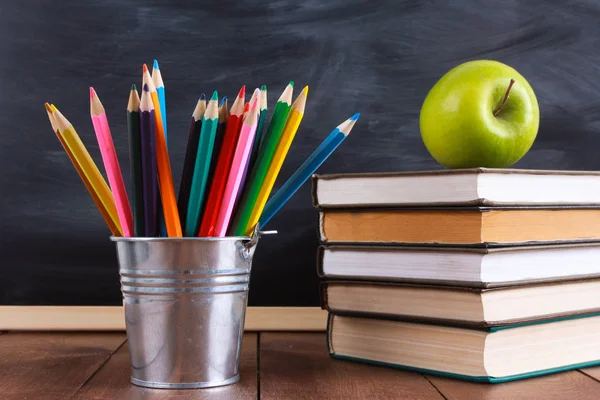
{"type": "Point", "coordinates": [256, 234]}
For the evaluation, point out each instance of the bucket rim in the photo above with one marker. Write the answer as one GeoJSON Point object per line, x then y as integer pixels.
{"type": "Point", "coordinates": [180, 239]}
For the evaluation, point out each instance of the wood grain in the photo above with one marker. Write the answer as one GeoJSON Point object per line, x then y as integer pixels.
{"type": "Point", "coordinates": [593, 372]}
{"type": "Point", "coordinates": [567, 385]}
{"type": "Point", "coordinates": [112, 382]}
{"type": "Point", "coordinates": [297, 366]}
{"type": "Point", "coordinates": [51, 365]}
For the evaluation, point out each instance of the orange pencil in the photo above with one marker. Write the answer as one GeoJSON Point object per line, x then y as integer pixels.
{"type": "Point", "coordinates": [167, 190]}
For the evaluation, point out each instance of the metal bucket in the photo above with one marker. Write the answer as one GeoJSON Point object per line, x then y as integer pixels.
{"type": "Point", "coordinates": [185, 304]}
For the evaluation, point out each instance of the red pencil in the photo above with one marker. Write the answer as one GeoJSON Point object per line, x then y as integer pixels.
{"type": "Point", "coordinates": [217, 187]}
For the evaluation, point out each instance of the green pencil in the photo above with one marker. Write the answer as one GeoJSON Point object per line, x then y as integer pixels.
{"type": "Point", "coordinates": [210, 121]}
{"type": "Point", "coordinates": [261, 167]}
{"type": "Point", "coordinates": [135, 158]}
{"type": "Point", "coordinates": [258, 137]}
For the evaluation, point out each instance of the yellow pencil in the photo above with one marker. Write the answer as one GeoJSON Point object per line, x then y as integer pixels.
{"type": "Point", "coordinates": [115, 229]}
{"type": "Point", "coordinates": [287, 136]}
{"type": "Point", "coordinates": [71, 139]}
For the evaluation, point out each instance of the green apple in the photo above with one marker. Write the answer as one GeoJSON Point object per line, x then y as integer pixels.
{"type": "Point", "coordinates": [471, 118]}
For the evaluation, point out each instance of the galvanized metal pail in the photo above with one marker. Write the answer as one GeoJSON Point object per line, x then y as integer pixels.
{"type": "Point", "coordinates": [185, 304]}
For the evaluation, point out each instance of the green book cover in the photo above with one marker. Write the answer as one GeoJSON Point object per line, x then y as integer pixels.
{"type": "Point", "coordinates": [480, 379]}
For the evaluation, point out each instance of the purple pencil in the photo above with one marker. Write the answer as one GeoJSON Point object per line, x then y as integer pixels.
{"type": "Point", "coordinates": [149, 168]}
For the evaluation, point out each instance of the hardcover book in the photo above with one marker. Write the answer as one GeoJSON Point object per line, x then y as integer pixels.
{"type": "Point", "coordinates": [473, 267]}
{"type": "Point", "coordinates": [491, 355]}
{"type": "Point", "coordinates": [478, 186]}
{"type": "Point", "coordinates": [462, 306]}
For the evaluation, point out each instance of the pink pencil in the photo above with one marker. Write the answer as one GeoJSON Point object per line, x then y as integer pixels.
{"type": "Point", "coordinates": [242, 152]}
{"type": "Point", "coordinates": [111, 163]}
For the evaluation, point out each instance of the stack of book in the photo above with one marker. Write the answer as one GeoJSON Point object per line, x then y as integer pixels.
{"type": "Point", "coordinates": [483, 274]}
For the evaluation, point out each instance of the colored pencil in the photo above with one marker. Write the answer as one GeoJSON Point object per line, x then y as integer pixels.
{"type": "Point", "coordinates": [255, 94]}
{"type": "Point", "coordinates": [223, 117]}
{"type": "Point", "coordinates": [248, 160]}
{"type": "Point", "coordinates": [258, 138]}
{"type": "Point", "coordinates": [242, 152]}
{"type": "Point", "coordinates": [165, 179]}
{"type": "Point", "coordinates": [160, 91]}
{"type": "Point", "coordinates": [224, 159]}
{"type": "Point", "coordinates": [309, 167]}
{"type": "Point", "coordinates": [149, 167]}
{"type": "Point", "coordinates": [92, 180]}
{"type": "Point", "coordinates": [210, 121]}
{"type": "Point", "coordinates": [135, 160]}
{"type": "Point", "coordinates": [111, 163]}
{"type": "Point", "coordinates": [190, 159]}
{"type": "Point", "coordinates": [259, 172]}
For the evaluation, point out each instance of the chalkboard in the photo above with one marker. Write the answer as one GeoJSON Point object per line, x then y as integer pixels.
{"type": "Point", "coordinates": [379, 58]}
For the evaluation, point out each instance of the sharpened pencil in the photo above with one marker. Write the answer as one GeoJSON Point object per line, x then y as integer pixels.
{"type": "Point", "coordinates": [289, 132]}
{"type": "Point", "coordinates": [223, 118]}
{"type": "Point", "coordinates": [242, 152]}
{"type": "Point", "coordinates": [224, 159]}
{"type": "Point", "coordinates": [190, 159]}
{"type": "Point", "coordinates": [259, 172]}
{"type": "Point", "coordinates": [307, 169]}
{"type": "Point", "coordinates": [165, 179]}
{"type": "Point", "coordinates": [89, 174]}
{"type": "Point", "coordinates": [210, 121]}
{"type": "Point", "coordinates": [135, 160]}
{"type": "Point", "coordinates": [111, 163]}
{"type": "Point", "coordinates": [149, 166]}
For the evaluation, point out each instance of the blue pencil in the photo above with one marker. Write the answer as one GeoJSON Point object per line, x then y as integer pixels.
{"type": "Point", "coordinates": [306, 170]}
{"type": "Point", "coordinates": [160, 90]}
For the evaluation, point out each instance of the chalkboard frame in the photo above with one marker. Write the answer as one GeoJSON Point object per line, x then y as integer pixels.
{"type": "Point", "coordinates": [110, 318]}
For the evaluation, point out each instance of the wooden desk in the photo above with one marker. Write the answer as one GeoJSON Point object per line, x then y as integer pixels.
{"type": "Point", "coordinates": [95, 366]}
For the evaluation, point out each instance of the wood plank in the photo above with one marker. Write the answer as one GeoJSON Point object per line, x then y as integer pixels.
{"type": "Point", "coordinates": [51, 365]}
{"type": "Point", "coordinates": [566, 385]}
{"type": "Point", "coordinates": [99, 318]}
{"type": "Point", "coordinates": [593, 372]}
{"type": "Point", "coordinates": [112, 382]}
{"type": "Point", "coordinates": [297, 366]}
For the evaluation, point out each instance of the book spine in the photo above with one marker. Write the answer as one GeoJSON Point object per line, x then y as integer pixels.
{"type": "Point", "coordinates": [320, 256]}
{"type": "Point", "coordinates": [315, 182]}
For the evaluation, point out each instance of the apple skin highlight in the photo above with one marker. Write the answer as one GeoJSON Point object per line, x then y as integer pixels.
{"type": "Point", "coordinates": [457, 120]}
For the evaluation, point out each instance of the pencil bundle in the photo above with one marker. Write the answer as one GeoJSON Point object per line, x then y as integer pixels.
{"type": "Point", "coordinates": [232, 161]}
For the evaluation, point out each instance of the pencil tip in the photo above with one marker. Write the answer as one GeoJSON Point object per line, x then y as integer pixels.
{"type": "Point", "coordinates": [133, 87]}
{"type": "Point", "coordinates": [155, 66]}
{"type": "Point", "coordinates": [291, 83]}
{"type": "Point", "coordinates": [215, 96]}
{"type": "Point", "coordinates": [223, 100]}
{"type": "Point", "coordinates": [53, 107]}
{"type": "Point", "coordinates": [355, 117]}
{"type": "Point", "coordinates": [92, 93]}
{"type": "Point", "coordinates": [146, 88]}
{"type": "Point", "coordinates": [202, 96]}
{"type": "Point", "coordinates": [48, 108]}
{"type": "Point", "coordinates": [305, 90]}
{"type": "Point", "coordinates": [145, 68]}
{"type": "Point", "coordinates": [263, 88]}
{"type": "Point", "coordinates": [242, 92]}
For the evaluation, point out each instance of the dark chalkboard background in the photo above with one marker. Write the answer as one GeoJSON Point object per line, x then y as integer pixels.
{"type": "Point", "coordinates": [376, 57]}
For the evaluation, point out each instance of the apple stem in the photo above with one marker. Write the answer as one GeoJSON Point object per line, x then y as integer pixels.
{"type": "Point", "coordinates": [499, 108]}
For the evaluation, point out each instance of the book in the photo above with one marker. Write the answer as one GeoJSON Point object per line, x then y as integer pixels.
{"type": "Point", "coordinates": [475, 226]}
{"type": "Point", "coordinates": [492, 355]}
{"type": "Point", "coordinates": [473, 267]}
{"type": "Point", "coordinates": [478, 186]}
{"type": "Point", "coordinates": [461, 306]}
